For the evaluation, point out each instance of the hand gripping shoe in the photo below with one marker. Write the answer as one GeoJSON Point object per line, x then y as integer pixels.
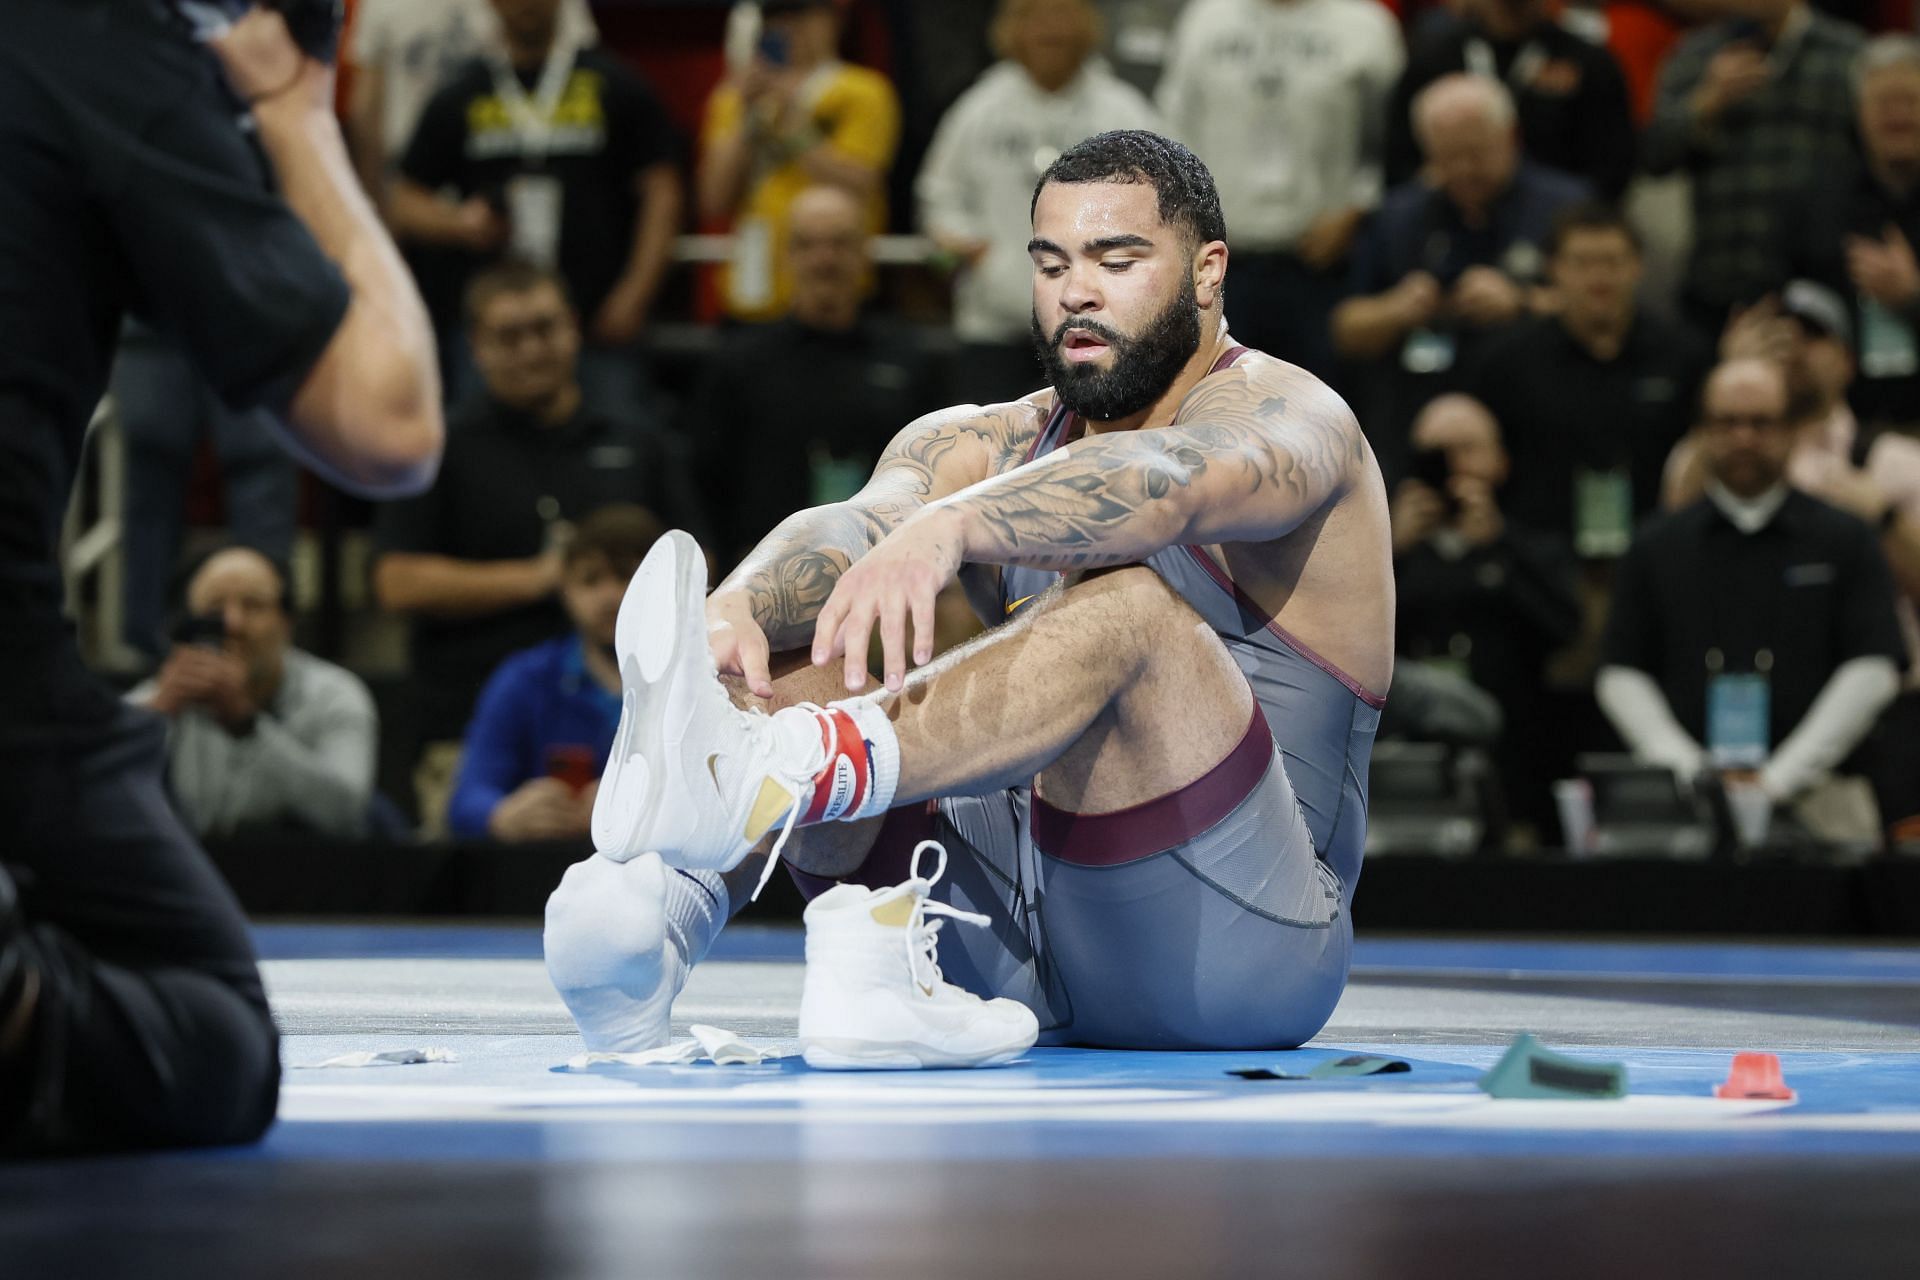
{"type": "Point", "coordinates": [691, 776]}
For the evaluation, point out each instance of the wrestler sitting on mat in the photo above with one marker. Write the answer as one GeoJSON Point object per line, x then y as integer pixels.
{"type": "Point", "coordinates": [1151, 773]}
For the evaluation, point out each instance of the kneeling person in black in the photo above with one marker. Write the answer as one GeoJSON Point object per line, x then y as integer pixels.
{"type": "Point", "coordinates": [131, 179]}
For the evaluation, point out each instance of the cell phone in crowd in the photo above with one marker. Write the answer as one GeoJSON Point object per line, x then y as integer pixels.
{"type": "Point", "coordinates": [773, 48]}
{"type": "Point", "coordinates": [572, 765]}
{"type": "Point", "coordinates": [208, 630]}
{"type": "Point", "coordinates": [1431, 468]}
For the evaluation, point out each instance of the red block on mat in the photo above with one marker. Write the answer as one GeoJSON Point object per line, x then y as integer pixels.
{"type": "Point", "coordinates": [1755, 1075]}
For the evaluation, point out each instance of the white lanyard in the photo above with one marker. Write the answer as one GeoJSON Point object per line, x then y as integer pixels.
{"type": "Point", "coordinates": [1526, 64]}
{"type": "Point", "coordinates": [533, 117]}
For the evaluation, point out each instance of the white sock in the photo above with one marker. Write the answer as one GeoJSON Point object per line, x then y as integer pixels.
{"type": "Point", "coordinates": [883, 757]}
{"type": "Point", "coordinates": [858, 780]}
{"type": "Point", "coordinates": [697, 908]}
{"type": "Point", "coordinates": [620, 938]}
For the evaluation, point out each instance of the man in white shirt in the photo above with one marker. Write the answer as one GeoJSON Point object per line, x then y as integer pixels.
{"type": "Point", "coordinates": [263, 734]}
{"type": "Point", "coordinates": [1047, 92]}
{"type": "Point", "coordinates": [1286, 102]}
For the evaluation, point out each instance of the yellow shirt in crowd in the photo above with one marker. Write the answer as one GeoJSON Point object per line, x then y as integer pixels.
{"type": "Point", "coordinates": [853, 110]}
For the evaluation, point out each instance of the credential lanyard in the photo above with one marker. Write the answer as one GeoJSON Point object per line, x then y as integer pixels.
{"type": "Point", "coordinates": [1526, 64]}
{"type": "Point", "coordinates": [533, 116]}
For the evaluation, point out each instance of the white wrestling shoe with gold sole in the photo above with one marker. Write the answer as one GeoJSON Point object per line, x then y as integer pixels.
{"type": "Point", "coordinates": [874, 999]}
{"type": "Point", "coordinates": [691, 775]}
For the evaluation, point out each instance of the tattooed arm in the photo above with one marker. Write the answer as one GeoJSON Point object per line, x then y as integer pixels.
{"type": "Point", "coordinates": [780, 587]}
{"type": "Point", "coordinates": [1255, 455]}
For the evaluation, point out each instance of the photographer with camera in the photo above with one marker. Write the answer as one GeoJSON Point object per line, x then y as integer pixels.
{"type": "Point", "coordinates": [264, 735]}
{"type": "Point", "coordinates": [1480, 597]}
{"type": "Point", "coordinates": [181, 162]}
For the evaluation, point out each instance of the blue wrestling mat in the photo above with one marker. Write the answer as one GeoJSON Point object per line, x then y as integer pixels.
{"type": "Point", "coordinates": [498, 1160]}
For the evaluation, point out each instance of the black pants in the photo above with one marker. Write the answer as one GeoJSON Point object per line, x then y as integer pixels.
{"type": "Point", "coordinates": [151, 1028]}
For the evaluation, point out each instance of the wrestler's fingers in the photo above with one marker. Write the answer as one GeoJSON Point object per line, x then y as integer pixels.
{"type": "Point", "coordinates": [855, 635]}
{"type": "Point", "coordinates": [893, 642]}
{"type": "Point", "coordinates": [924, 607]}
{"type": "Point", "coordinates": [754, 659]}
{"type": "Point", "coordinates": [826, 627]}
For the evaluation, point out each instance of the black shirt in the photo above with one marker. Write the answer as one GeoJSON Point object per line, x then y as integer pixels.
{"type": "Point", "coordinates": [1562, 411]}
{"type": "Point", "coordinates": [779, 400]}
{"type": "Point", "coordinates": [1569, 92]}
{"type": "Point", "coordinates": [504, 481]}
{"type": "Point", "coordinates": [1416, 228]}
{"type": "Point", "coordinates": [1814, 228]}
{"type": "Point", "coordinates": [1501, 609]}
{"type": "Point", "coordinates": [1811, 588]}
{"type": "Point", "coordinates": [129, 181]}
{"type": "Point", "coordinates": [610, 128]}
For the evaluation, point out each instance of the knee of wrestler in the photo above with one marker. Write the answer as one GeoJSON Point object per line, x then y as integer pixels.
{"type": "Point", "coordinates": [1152, 611]}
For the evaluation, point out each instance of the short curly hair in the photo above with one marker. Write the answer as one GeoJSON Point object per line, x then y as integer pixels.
{"type": "Point", "coordinates": [1188, 198]}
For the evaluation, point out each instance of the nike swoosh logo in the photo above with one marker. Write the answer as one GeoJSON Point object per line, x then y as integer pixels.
{"type": "Point", "coordinates": [1016, 604]}
{"type": "Point", "coordinates": [713, 769]}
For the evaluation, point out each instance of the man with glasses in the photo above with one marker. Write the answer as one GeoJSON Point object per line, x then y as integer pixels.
{"type": "Point", "coordinates": [261, 735]}
{"type": "Point", "coordinates": [477, 562]}
{"type": "Point", "coordinates": [1753, 631]}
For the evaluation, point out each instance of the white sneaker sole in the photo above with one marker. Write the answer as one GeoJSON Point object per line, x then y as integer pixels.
{"type": "Point", "coordinates": [659, 638]}
{"type": "Point", "coordinates": [829, 1053]}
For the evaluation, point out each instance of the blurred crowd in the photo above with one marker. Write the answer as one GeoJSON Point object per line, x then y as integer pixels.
{"type": "Point", "coordinates": [1625, 297]}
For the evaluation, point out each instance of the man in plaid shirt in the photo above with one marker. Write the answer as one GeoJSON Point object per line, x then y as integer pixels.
{"type": "Point", "coordinates": [1752, 107]}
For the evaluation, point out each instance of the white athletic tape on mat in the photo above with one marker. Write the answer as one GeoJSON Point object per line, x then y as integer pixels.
{"type": "Point", "coordinates": [709, 1044]}
{"type": "Point", "coordinates": [385, 1058]}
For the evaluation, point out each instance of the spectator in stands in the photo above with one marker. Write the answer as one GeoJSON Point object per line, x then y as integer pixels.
{"type": "Point", "coordinates": [1287, 105]}
{"type": "Point", "coordinates": [263, 735]}
{"type": "Point", "coordinates": [400, 51]}
{"type": "Point", "coordinates": [1592, 397]}
{"type": "Point", "coordinates": [166, 409]}
{"type": "Point", "coordinates": [545, 722]}
{"type": "Point", "coordinates": [1753, 631]}
{"type": "Point", "coordinates": [557, 154]}
{"type": "Point", "coordinates": [1568, 91]}
{"type": "Point", "coordinates": [811, 399]}
{"type": "Point", "coordinates": [1855, 230]}
{"type": "Point", "coordinates": [1874, 476]}
{"type": "Point", "coordinates": [476, 561]}
{"type": "Point", "coordinates": [1048, 92]}
{"type": "Point", "coordinates": [1449, 258]}
{"type": "Point", "coordinates": [1750, 108]}
{"type": "Point", "coordinates": [1479, 593]}
{"type": "Point", "coordinates": [790, 117]}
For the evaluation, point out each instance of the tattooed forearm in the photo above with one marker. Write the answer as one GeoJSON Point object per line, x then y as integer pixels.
{"type": "Point", "coordinates": [790, 575]}
{"type": "Point", "coordinates": [792, 572]}
{"type": "Point", "coordinates": [1242, 466]}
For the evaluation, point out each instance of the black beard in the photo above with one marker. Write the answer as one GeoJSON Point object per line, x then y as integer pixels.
{"type": "Point", "coordinates": [1143, 366]}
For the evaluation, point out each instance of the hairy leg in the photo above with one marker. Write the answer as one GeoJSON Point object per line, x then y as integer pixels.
{"type": "Point", "coordinates": [1109, 692]}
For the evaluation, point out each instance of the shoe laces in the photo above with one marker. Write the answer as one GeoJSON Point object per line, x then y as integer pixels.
{"type": "Point", "coordinates": [923, 935]}
{"type": "Point", "coordinates": [798, 784]}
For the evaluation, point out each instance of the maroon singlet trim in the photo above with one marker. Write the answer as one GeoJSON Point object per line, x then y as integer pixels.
{"type": "Point", "coordinates": [1058, 418]}
{"type": "Point", "coordinates": [1286, 637]}
{"type": "Point", "coordinates": [1164, 822]}
{"type": "Point", "coordinates": [1227, 357]}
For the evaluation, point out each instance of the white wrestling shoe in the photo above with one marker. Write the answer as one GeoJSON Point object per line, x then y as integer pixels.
{"type": "Point", "coordinates": [874, 999]}
{"type": "Point", "coordinates": [690, 774]}
{"type": "Point", "coordinates": [610, 954]}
